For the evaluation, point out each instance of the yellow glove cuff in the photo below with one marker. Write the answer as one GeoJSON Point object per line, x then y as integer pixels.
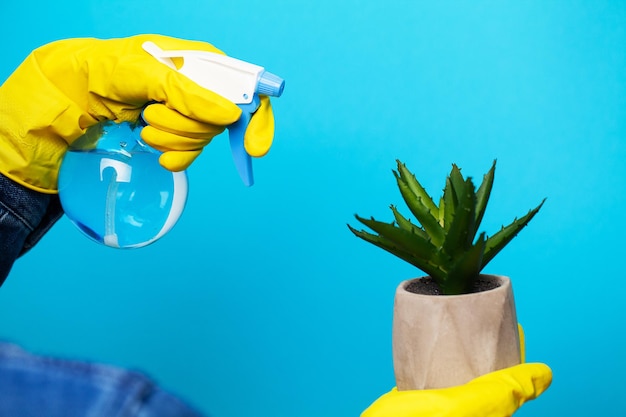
{"type": "Point", "coordinates": [32, 127]}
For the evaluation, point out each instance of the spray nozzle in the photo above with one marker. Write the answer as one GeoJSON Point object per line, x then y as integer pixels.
{"type": "Point", "coordinates": [270, 84]}
{"type": "Point", "coordinates": [238, 81]}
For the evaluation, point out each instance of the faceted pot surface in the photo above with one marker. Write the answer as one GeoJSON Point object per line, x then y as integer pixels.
{"type": "Point", "coordinates": [441, 341]}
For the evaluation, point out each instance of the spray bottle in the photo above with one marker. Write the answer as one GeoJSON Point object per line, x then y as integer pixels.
{"type": "Point", "coordinates": [111, 184]}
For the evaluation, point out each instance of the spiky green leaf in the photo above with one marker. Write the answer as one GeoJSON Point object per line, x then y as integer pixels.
{"type": "Point", "coordinates": [421, 211]}
{"type": "Point", "coordinates": [403, 239]}
{"type": "Point", "coordinates": [406, 224]}
{"type": "Point", "coordinates": [427, 266]}
{"type": "Point", "coordinates": [449, 204]}
{"type": "Point", "coordinates": [442, 211]}
{"type": "Point", "coordinates": [465, 269]}
{"type": "Point", "coordinates": [498, 241]}
{"type": "Point", "coordinates": [456, 181]}
{"type": "Point", "coordinates": [460, 235]}
{"type": "Point", "coordinates": [416, 188]}
{"type": "Point", "coordinates": [483, 194]}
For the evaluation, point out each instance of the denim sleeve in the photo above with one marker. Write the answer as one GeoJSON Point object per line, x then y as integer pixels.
{"type": "Point", "coordinates": [25, 216]}
{"type": "Point", "coordinates": [33, 386]}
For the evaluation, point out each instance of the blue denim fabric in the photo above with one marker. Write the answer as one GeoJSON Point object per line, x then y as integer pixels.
{"type": "Point", "coordinates": [37, 386]}
{"type": "Point", "coordinates": [25, 216]}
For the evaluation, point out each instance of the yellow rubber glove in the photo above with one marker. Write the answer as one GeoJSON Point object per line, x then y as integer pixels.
{"type": "Point", "coordinates": [65, 87]}
{"type": "Point", "coordinates": [497, 394]}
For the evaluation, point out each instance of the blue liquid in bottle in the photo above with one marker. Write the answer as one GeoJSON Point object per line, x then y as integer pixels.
{"type": "Point", "coordinates": [114, 190]}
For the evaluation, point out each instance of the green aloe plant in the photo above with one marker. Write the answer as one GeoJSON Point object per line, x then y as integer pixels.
{"type": "Point", "coordinates": [444, 243]}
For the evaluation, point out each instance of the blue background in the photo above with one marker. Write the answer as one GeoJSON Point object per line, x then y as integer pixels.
{"type": "Point", "coordinates": [260, 301]}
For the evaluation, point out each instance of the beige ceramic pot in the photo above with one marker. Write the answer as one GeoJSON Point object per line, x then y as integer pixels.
{"type": "Point", "coordinates": [446, 340]}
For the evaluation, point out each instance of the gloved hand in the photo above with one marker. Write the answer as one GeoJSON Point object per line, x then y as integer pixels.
{"type": "Point", "coordinates": [65, 87]}
{"type": "Point", "coordinates": [497, 394]}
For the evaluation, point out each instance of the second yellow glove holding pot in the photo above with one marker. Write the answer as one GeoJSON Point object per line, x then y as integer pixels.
{"type": "Point", "coordinates": [65, 87]}
{"type": "Point", "coordinates": [497, 394]}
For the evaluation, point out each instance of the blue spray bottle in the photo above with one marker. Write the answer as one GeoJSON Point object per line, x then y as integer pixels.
{"type": "Point", "coordinates": [111, 184]}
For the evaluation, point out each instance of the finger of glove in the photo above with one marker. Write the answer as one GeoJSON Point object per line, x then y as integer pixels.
{"type": "Point", "coordinates": [166, 141]}
{"type": "Point", "coordinates": [526, 381]}
{"type": "Point", "coordinates": [163, 118]}
{"type": "Point", "coordinates": [178, 160]}
{"type": "Point", "coordinates": [260, 132]}
{"type": "Point", "coordinates": [497, 394]}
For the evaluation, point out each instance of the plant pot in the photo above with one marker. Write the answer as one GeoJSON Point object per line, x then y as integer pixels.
{"type": "Point", "coordinates": [447, 340]}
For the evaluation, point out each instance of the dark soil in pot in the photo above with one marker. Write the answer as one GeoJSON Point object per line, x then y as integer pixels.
{"type": "Point", "coordinates": [428, 286]}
